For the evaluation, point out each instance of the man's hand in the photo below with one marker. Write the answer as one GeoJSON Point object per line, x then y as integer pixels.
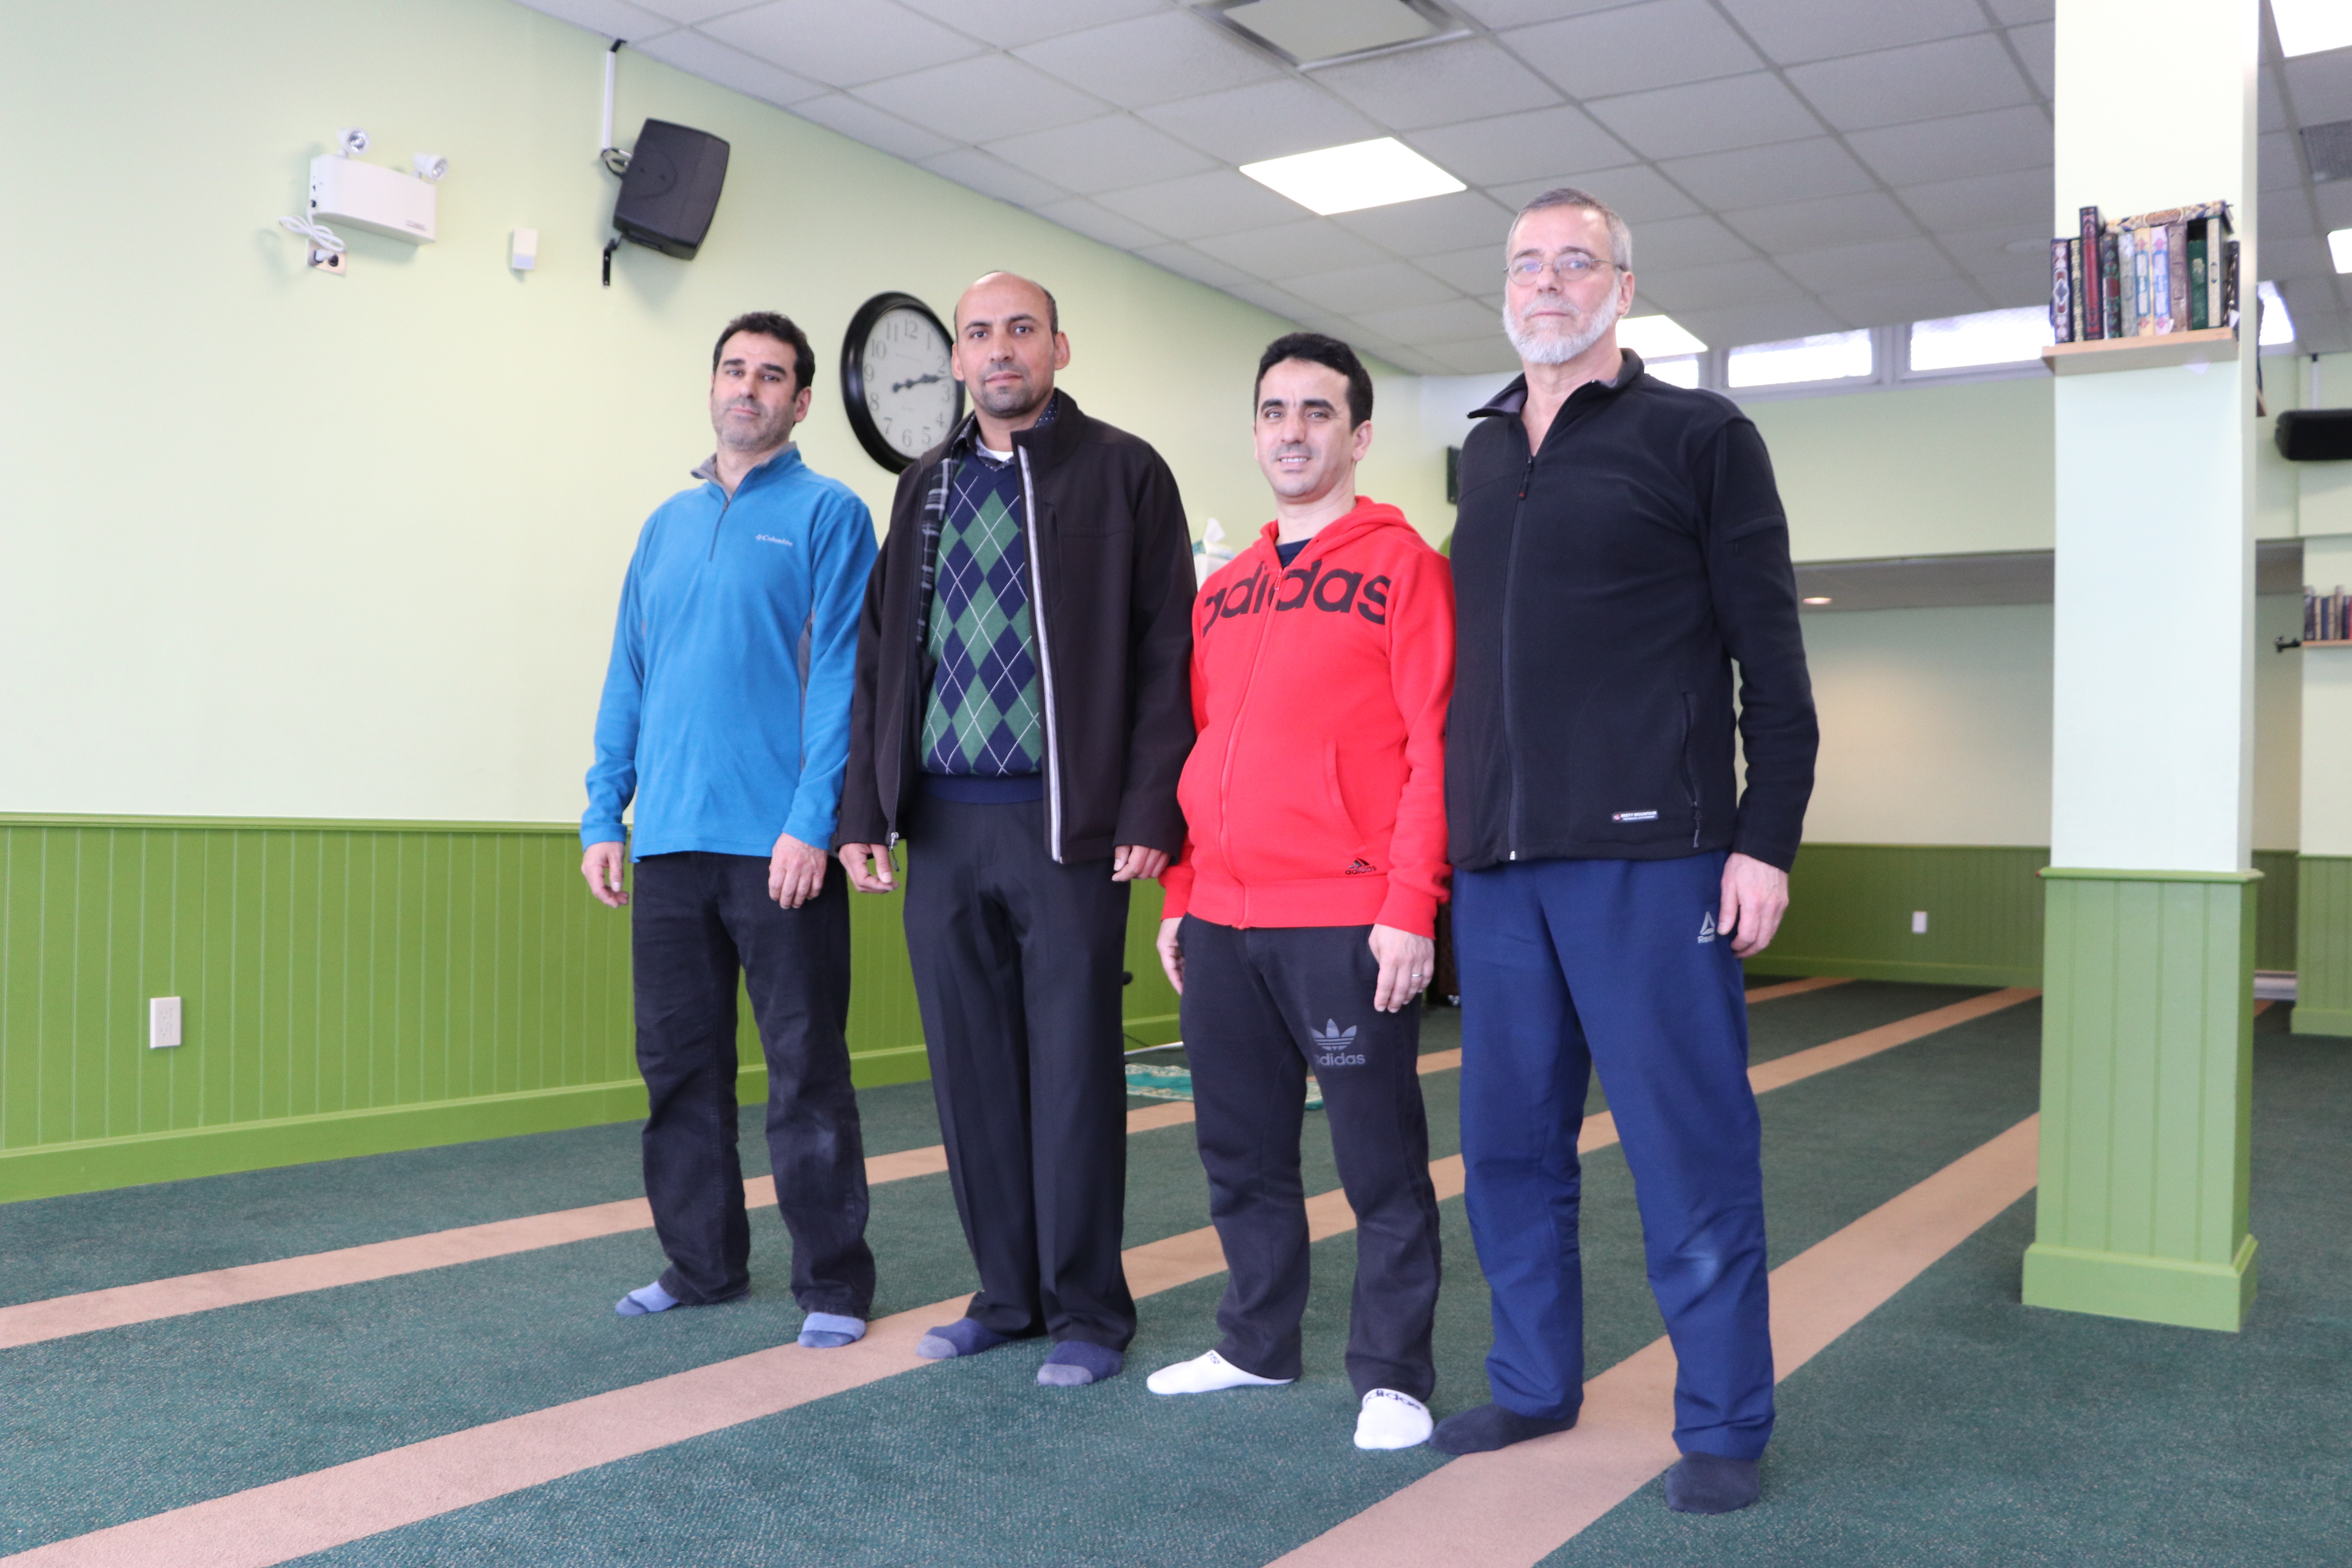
{"type": "Point", "coordinates": [1407, 961]}
{"type": "Point", "coordinates": [1755, 897]}
{"type": "Point", "coordinates": [606, 866]}
{"type": "Point", "coordinates": [795, 871]}
{"type": "Point", "coordinates": [868, 866]}
{"type": "Point", "coordinates": [1171, 954]}
{"type": "Point", "coordinates": [1133, 860]}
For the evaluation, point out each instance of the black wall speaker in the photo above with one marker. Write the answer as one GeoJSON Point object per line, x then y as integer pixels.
{"type": "Point", "coordinates": [671, 188]}
{"type": "Point", "coordinates": [2315, 435]}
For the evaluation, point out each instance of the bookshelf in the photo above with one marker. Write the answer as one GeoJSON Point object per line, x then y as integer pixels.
{"type": "Point", "coordinates": [2204, 346]}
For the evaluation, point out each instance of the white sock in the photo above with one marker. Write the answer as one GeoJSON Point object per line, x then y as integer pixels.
{"type": "Point", "coordinates": [1207, 1374]}
{"type": "Point", "coordinates": [1392, 1420]}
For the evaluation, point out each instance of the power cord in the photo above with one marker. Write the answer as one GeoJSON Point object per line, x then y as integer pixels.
{"type": "Point", "coordinates": [318, 234]}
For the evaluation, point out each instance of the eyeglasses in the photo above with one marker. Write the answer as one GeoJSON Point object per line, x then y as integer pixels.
{"type": "Point", "coordinates": [1572, 267]}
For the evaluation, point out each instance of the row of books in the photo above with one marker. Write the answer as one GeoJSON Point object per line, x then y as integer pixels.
{"type": "Point", "coordinates": [2326, 617]}
{"type": "Point", "coordinates": [2169, 271]}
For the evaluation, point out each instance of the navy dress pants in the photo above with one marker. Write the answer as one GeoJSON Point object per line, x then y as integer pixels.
{"type": "Point", "coordinates": [695, 920]}
{"type": "Point", "coordinates": [1568, 965]}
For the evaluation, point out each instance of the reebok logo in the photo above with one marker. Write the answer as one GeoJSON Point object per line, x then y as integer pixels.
{"type": "Point", "coordinates": [1707, 927]}
{"type": "Point", "coordinates": [1360, 867]}
{"type": "Point", "coordinates": [772, 539]}
{"type": "Point", "coordinates": [1331, 1043]}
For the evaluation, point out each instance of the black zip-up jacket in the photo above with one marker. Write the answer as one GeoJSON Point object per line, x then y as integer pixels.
{"type": "Point", "coordinates": [1603, 587]}
{"type": "Point", "coordinates": [1110, 595]}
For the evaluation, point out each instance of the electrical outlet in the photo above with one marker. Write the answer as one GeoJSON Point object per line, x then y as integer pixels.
{"type": "Point", "coordinates": [329, 262]}
{"type": "Point", "coordinates": [162, 1022]}
{"type": "Point", "coordinates": [1919, 922]}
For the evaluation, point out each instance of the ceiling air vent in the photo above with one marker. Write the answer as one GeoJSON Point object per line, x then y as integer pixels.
{"type": "Point", "coordinates": [1310, 33]}
{"type": "Point", "coordinates": [2328, 150]}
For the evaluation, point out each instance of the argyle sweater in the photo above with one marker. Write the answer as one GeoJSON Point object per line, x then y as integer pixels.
{"type": "Point", "coordinates": [985, 715]}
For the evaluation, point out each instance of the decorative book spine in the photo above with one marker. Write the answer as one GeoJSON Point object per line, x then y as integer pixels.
{"type": "Point", "coordinates": [2093, 293]}
{"type": "Point", "coordinates": [2160, 281]}
{"type": "Point", "coordinates": [2230, 304]}
{"type": "Point", "coordinates": [2140, 324]}
{"type": "Point", "coordinates": [2113, 320]}
{"type": "Point", "coordinates": [2216, 228]}
{"type": "Point", "coordinates": [2176, 243]}
{"type": "Point", "coordinates": [2062, 295]}
{"type": "Point", "coordinates": [2077, 293]}
{"type": "Point", "coordinates": [2198, 319]}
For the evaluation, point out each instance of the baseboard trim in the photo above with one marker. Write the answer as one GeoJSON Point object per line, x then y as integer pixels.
{"type": "Point", "coordinates": [2175, 1291]}
{"type": "Point", "coordinates": [2310, 1020]}
{"type": "Point", "coordinates": [1778, 963]}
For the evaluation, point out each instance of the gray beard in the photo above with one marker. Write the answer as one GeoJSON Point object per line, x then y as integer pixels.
{"type": "Point", "coordinates": [1534, 348]}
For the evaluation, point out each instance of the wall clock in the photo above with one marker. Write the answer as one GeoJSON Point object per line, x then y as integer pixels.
{"type": "Point", "coordinates": [902, 396]}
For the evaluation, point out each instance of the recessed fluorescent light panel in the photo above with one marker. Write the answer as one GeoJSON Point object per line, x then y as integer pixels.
{"type": "Point", "coordinates": [2339, 249]}
{"type": "Point", "coordinates": [1656, 337]}
{"type": "Point", "coordinates": [2278, 327]}
{"type": "Point", "coordinates": [2308, 26]}
{"type": "Point", "coordinates": [1360, 175]}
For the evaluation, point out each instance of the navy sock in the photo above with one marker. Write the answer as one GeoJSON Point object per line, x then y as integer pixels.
{"type": "Point", "coordinates": [965, 1336]}
{"type": "Point", "coordinates": [1709, 1483]}
{"type": "Point", "coordinates": [1488, 1428]}
{"type": "Point", "coordinates": [1075, 1363]}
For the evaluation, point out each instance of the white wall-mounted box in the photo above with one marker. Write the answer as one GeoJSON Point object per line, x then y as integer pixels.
{"type": "Point", "coordinates": [370, 196]}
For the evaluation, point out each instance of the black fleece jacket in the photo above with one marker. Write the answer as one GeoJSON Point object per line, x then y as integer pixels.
{"type": "Point", "coordinates": [1603, 588]}
{"type": "Point", "coordinates": [1111, 593]}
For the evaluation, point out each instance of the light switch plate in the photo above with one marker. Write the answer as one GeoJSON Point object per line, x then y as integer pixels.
{"type": "Point", "coordinates": [1919, 922]}
{"type": "Point", "coordinates": [162, 1022]}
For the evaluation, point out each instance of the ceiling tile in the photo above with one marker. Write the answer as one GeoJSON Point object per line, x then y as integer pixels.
{"type": "Point", "coordinates": [1728, 284]}
{"type": "Point", "coordinates": [2037, 45]}
{"type": "Point", "coordinates": [1631, 48]}
{"type": "Point", "coordinates": [1530, 146]}
{"type": "Point", "coordinates": [1866, 266]}
{"type": "Point", "coordinates": [1993, 143]}
{"type": "Point", "coordinates": [2012, 12]}
{"type": "Point", "coordinates": [713, 61]}
{"type": "Point", "coordinates": [2333, 199]}
{"type": "Point", "coordinates": [1187, 262]}
{"type": "Point", "coordinates": [1266, 119]}
{"type": "Point", "coordinates": [992, 176]}
{"type": "Point", "coordinates": [992, 96]}
{"type": "Point", "coordinates": [1151, 59]}
{"type": "Point", "coordinates": [1379, 288]}
{"type": "Point", "coordinates": [1007, 25]}
{"type": "Point", "coordinates": [1276, 301]}
{"type": "Point", "coordinates": [1473, 270]}
{"type": "Point", "coordinates": [2278, 162]}
{"type": "Point", "coordinates": [1921, 300]}
{"type": "Point", "coordinates": [1639, 194]}
{"type": "Point", "coordinates": [1219, 202]}
{"type": "Point", "coordinates": [1414, 362]}
{"type": "Point", "coordinates": [2013, 280]}
{"type": "Point", "coordinates": [1978, 249]}
{"type": "Point", "coordinates": [2288, 219]}
{"type": "Point", "coordinates": [1751, 176]}
{"type": "Point", "coordinates": [1484, 356]}
{"type": "Point", "coordinates": [1104, 154]}
{"type": "Point", "coordinates": [842, 46]}
{"type": "Point", "coordinates": [1291, 249]}
{"type": "Point", "coordinates": [2305, 258]}
{"type": "Point", "coordinates": [1707, 117]}
{"type": "Point", "coordinates": [1919, 82]}
{"type": "Point", "coordinates": [1432, 224]}
{"type": "Point", "coordinates": [2270, 109]}
{"type": "Point", "coordinates": [1100, 223]}
{"type": "Point", "coordinates": [1857, 219]}
{"type": "Point", "coordinates": [687, 12]}
{"type": "Point", "coordinates": [1679, 242]}
{"type": "Point", "coordinates": [1447, 321]}
{"type": "Point", "coordinates": [1818, 30]}
{"type": "Point", "coordinates": [1439, 85]}
{"type": "Point", "coordinates": [1731, 326]}
{"type": "Point", "coordinates": [2024, 197]}
{"type": "Point", "coordinates": [861, 122]}
{"type": "Point", "coordinates": [605, 18]}
{"type": "Point", "coordinates": [2321, 86]}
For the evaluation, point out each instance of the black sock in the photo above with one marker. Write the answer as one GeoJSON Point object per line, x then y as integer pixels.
{"type": "Point", "coordinates": [1709, 1483]}
{"type": "Point", "coordinates": [1491, 1426]}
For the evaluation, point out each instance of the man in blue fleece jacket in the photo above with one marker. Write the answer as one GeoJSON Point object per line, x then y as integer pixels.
{"type": "Point", "coordinates": [726, 717]}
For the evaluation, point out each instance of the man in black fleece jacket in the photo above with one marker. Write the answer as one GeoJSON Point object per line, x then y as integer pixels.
{"type": "Point", "coordinates": [1620, 544]}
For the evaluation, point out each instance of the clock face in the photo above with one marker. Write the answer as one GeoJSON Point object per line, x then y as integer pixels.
{"type": "Point", "coordinates": [910, 394]}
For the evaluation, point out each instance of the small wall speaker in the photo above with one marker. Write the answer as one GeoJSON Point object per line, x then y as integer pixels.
{"type": "Point", "coordinates": [2314, 435]}
{"type": "Point", "coordinates": [671, 188]}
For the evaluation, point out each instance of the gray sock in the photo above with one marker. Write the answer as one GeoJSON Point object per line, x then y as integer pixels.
{"type": "Point", "coordinates": [830, 1330]}
{"type": "Point", "coordinates": [644, 1299]}
{"type": "Point", "coordinates": [1075, 1363]}
{"type": "Point", "coordinates": [963, 1337]}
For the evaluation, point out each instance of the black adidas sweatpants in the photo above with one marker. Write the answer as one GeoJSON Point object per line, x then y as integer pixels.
{"type": "Point", "coordinates": [1263, 1007]}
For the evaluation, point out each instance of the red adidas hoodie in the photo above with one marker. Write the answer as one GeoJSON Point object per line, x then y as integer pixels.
{"type": "Point", "coordinates": [1315, 794]}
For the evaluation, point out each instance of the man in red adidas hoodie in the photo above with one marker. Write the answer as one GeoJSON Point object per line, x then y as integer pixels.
{"type": "Point", "coordinates": [1299, 915]}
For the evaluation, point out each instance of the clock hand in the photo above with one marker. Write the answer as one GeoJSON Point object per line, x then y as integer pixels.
{"type": "Point", "coordinates": [897, 386]}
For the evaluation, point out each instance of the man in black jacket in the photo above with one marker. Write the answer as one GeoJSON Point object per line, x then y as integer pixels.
{"type": "Point", "coordinates": [1021, 713]}
{"type": "Point", "coordinates": [1620, 544]}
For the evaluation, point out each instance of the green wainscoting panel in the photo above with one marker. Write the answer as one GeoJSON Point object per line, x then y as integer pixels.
{"type": "Point", "coordinates": [2323, 960]}
{"type": "Point", "coordinates": [2147, 1096]}
{"type": "Point", "coordinates": [1850, 908]}
{"type": "Point", "coordinates": [2277, 917]}
{"type": "Point", "coordinates": [348, 988]}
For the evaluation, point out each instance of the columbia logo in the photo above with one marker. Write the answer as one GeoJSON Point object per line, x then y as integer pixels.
{"type": "Point", "coordinates": [1633, 816]}
{"type": "Point", "coordinates": [1361, 866]}
{"type": "Point", "coordinates": [772, 539]}
{"type": "Point", "coordinates": [1331, 1036]}
{"type": "Point", "coordinates": [1706, 926]}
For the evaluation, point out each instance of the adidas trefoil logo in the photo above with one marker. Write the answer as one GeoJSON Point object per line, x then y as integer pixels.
{"type": "Point", "coordinates": [1707, 927]}
{"type": "Point", "coordinates": [1331, 1043]}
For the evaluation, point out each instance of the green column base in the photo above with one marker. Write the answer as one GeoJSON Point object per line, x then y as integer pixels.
{"type": "Point", "coordinates": [2310, 1020]}
{"type": "Point", "coordinates": [2151, 1290]}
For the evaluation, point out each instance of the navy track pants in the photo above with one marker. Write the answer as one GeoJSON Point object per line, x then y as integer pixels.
{"type": "Point", "coordinates": [1568, 965]}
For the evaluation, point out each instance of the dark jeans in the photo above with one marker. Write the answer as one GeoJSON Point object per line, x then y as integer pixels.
{"type": "Point", "coordinates": [696, 919]}
{"type": "Point", "coordinates": [1568, 965]}
{"type": "Point", "coordinates": [1018, 968]}
{"type": "Point", "coordinates": [1262, 1007]}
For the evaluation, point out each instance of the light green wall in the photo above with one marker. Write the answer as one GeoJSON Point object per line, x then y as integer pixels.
{"type": "Point", "coordinates": [286, 545]}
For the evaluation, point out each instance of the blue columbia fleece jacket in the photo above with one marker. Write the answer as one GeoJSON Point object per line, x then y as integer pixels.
{"type": "Point", "coordinates": [726, 709]}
